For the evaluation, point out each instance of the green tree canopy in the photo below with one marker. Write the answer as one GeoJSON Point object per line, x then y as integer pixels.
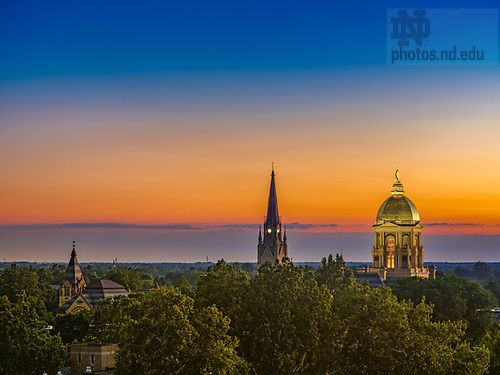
{"type": "Point", "coordinates": [453, 298]}
{"type": "Point", "coordinates": [224, 287]}
{"type": "Point", "coordinates": [73, 327]}
{"type": "Point", "coordinates": [125, 276]}
{"type": "Point", "coordinates": [383, 336]}
{"type": "Point", "coordinates": [26, 346]}
{"type": "Point", "coordinates": [333, 274]}
{"type": "Point", "coordinates": [286, 325]}
{"type": "Point", "coordinates": [15, 280]}
{"type": "Point", "coordinates": [162, 333]}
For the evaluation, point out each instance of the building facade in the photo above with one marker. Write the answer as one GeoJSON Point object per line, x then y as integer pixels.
{"type": "Point", "coordinates": [272, 243]}
{"type": "Point", "coordinates": [75, 295]}
{"type": "Point", "coordinates": [97, 357]}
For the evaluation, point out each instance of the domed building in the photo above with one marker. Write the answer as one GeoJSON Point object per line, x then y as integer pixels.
{"type": "Point", "coordinates": [398, 250]}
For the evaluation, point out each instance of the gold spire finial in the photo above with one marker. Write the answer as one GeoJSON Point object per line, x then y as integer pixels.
{"type": "Point", "coordinates": [397, 188]}
{"type": "Point", "coordinates": [272, 166]}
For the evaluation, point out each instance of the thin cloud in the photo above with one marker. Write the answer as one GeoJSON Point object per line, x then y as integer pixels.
{"type": "Point", "coordinates": [234, 226]}
{"type": "Point", "coordinates": [48, 226]}
{"type": "Point", "coordinates": [451, 224]}
{"type": "Point", "coordinates": [165, 227]}
{"type": "Point", "coordinates": [297, 225]}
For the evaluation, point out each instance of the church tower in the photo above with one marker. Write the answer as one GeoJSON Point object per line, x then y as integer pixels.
{"type": "Point", "coordinates": [398, 249]}
{"type": "Point", "coordinates": [73, 282]}
{"type": "Point", "coordinates": [273, 245]}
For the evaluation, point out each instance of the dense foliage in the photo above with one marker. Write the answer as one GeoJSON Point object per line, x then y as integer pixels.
{"type": "Point", "coordinates": [162, 333]}
{"type": "Point", "coordinates": [453, 298]}
{"type": "Point", "coordinates": [26, 346]}
{"type": "Point", "coordinates": [287, 319]}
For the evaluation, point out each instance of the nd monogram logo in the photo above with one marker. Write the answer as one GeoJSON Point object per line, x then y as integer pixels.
{"type": "Point", "coordinates": [415, 28]}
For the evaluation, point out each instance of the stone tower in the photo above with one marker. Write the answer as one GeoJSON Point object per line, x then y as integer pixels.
{"type": "Point", "coordinates": [273, 245]}
{"type": "Point", "coordinates": [73, 282]}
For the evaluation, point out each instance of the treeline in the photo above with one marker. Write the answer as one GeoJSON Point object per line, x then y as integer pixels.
{"type": "Point", "coordinates": [285, 320]}
{"type": "Point", "coordinates": [137, 276]}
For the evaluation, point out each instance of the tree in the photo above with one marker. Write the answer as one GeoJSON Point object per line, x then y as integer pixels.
{"type": "Point", "coordinates": [333, 274]}
{"type": "Point", "coordinates": [453, 298]}
{"type": "Point", "coordinates": [285, 325]}
{"type": "Point", "coordinates": [15, 280]}
{"type": "Point", "coordinates": [383, 336]}
{"type": "Point", "coordinates": [482, 271]}
{"type": "Point", "coordinates": [223, 287]}
{"type": "Point", "coordinates": [73, 327]}
{"type": "Point", "coordinates": [493, 344]}
{"type": "Point", "coordinates": [162, 333]}
{"type": "Point", "coordinates": [493, 285]}
{"type": "Point", "coordinates": [463, 272]}
{"type": "Point", "coordinates": [125, 276]}
{"type": "Point", "coordinates": [26, 346]}
{"type": "Point", "coordinates": [183, 285]}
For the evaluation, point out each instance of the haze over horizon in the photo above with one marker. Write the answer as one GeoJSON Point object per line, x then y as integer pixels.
{"type": "Point", "coordinates": [147, 132]}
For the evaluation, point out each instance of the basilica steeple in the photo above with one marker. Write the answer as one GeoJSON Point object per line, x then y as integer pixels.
{"type": "Point", "coordinates": [273, 246]}
{"type": "Point", "coordinates": [272, 218]}
{"type": "Point", "coordinates": [74, 281]}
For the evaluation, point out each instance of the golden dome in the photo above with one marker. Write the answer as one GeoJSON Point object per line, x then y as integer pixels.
{"type": "Point", "coordinates": [397, 209]}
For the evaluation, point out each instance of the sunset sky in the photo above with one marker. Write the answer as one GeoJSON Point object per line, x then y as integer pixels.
{"type": "Point", "coordinates": [146, 131]}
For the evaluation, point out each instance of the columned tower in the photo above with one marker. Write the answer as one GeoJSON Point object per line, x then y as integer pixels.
{"type": "Point", "coordinates": [398, 237]}
{"type": "Point", "coordinates": [273, 245]}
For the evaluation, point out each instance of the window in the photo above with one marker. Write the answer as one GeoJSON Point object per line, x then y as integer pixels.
{"type": "Point", "coordinates": [91, 359]}
{"type": "Point", "coordinates": [79, 358]}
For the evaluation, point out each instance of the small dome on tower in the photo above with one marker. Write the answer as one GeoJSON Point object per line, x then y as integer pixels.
{"type": "Point", "coordinates": [397, 209]}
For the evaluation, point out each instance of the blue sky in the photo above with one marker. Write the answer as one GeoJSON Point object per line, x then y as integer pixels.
{"type": "Point", "coordinates": [96, 96]}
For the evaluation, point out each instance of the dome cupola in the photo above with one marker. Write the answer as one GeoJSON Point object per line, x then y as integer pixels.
{"type": "Point", "coordinates": [397, 209]}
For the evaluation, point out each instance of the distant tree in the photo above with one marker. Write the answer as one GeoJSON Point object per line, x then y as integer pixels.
{"type": "Point", "coordinates": [482, 271]}
{"type": "Point", "coordinates": [26, 346]}
{"type": "Point", "coordinates": [125, 276]}
{"type": "Point", "coordinates": [493, 285]}
{"type": "Point", "coordinates": [453, 298]}
{"type": "Point", "coordinates": [463, 272]}
{"type": "Point", "coordinates": [250, 268]}
{"type": "Point", "coordinates": [333, 274]}
{"type": "Point", "coordinates": [183, 285]}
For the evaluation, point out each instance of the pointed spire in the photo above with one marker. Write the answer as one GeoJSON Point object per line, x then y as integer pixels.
{"type": "Point", "coordinates": [73, 271]}
{"type": "Point", "coordinates": [284, 235]}
{"type": "Point", "coordinates": [260, 234]}
{"type": "Point", "coordinates": [397, 188]}
{"type": "Point", "coordinates": [272, 206]}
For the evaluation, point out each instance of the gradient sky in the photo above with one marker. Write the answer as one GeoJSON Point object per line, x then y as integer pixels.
{"type": "Point", "coordinates": [147, 131]}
